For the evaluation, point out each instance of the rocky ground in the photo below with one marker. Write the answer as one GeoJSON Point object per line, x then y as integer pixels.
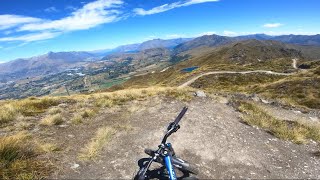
{"type": "Point", "coordinates": [212, 137]}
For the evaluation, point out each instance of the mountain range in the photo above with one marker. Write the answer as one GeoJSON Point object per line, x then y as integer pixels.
{"type": "Point", "coordinates": [216, 40]}
{"type": "Point", "coordinates": [54, 62]}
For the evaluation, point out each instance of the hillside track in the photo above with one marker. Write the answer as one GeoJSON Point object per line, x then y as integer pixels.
{"type": "Point", "coordinates": [185, 84]}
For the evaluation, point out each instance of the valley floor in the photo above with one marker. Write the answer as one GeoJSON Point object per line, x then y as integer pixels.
{"type": "Point", "coordinates": [212, 137]}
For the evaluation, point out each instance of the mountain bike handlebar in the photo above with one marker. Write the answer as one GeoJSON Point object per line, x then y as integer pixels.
{"type": "Point", "coordinates": [179, 117]}
{"type": "Point", "coordinates": [165, 154]}
{"type": "Point", "coordinates": [174, 126]}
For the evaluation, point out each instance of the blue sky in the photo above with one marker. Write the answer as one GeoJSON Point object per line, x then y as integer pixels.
{"type": "Point", "coordinates": [34, 27]}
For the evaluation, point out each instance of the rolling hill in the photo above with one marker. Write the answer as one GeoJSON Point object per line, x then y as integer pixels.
{"type": "Point", "coordinates": [151, 44]}
{"type": "Point", "coordinates": [237, 56]}
{"type": "Point", "coordinates": [207, 40]}
{"type": "Point", "coordinates": [209, 53]}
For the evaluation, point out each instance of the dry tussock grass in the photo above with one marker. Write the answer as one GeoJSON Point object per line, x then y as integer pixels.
{"type": "Point", "coordinates": [51, 120]}
{"type": "Point", "coordinates": [77, 119]}
{"type": "Point", "coordinates": [54, 110]}
{"type": "Point", "coordinates": [93, 148]}
{"type": "Point", "coordinates": [7, 113]}
{"type": "Point", "coordinates": [48, 147]}
{"type": "Point", "coordinates": [296, 131]}
{"type": "Point", "coordinates": [18, 158]}
{"type": "Point", "coordinates": [10, 110]}
{"type": "Point", "coordinates": [111, 99]}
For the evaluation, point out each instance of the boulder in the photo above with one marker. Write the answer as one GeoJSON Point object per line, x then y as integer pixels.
{"type": "Point", "coordinates": [200, 94]}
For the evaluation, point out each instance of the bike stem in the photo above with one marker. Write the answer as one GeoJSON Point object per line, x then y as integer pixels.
{"type": "Point", "coordinates": [173, 128]}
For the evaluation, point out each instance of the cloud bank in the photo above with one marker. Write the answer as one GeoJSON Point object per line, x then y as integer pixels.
{"type": "Point", "coordinates": [89, 16]}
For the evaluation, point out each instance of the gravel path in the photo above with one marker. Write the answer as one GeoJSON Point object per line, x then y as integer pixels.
{"type": "Point", "coordinates": [211, 136]}
{"type": "Point", "coordinates": [232, 72]}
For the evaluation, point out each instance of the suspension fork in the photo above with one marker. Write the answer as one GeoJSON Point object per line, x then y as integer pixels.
{"type": "Point", "coordinates": [169, 166]}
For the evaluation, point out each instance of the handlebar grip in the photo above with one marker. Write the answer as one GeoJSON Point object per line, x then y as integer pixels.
{"type": "Point", "coordinates": [179, 117]}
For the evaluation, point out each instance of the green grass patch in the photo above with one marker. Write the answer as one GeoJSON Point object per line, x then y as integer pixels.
{"type": "Point", "coordinates": [112, 82]}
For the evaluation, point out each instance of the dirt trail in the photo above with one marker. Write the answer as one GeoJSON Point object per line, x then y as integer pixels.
{"type": "Point", "coordinates": [231, 72]}
{"type": "Point", "coordinates": [211, 136]}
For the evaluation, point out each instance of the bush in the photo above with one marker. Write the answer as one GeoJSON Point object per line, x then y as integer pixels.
{"type": "Point", "coordinates": [51, 120]}
{"type": "Point", "coordinates": [55, 110]}
{"type": "Point", "coordinates": [87, 113]}
{"type": "Point", "coordinates": [7, 113]}
{"type": "Point", "coordinates": [77, 119]}
{"type": "Point", "coordinates": [11, 148]}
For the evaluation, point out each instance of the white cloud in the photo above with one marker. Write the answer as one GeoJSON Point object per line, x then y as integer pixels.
{"type": "Point", "coordinates": [9, 21]}
{"type": "Point", "coordinates": [70, 8]}
{"type": "Point", "coordinates": [190, 2]}
{"type": "Point", "coordinates": [205, 33]}
{"type": "Point", "coordinates": [51, 9]}
{"type": "Point", "coordinates": [272, 25]}
{"type": "Point", "coordinates": [174, 36]}
{"type": "Point", "coordinates": [229, 33]}
{"type": "Point", "coordinates": [90, 15]}
{"type": "Point", "coordinates": [31, 37]}
{"type": "Point", "coordinates": [167, 7]}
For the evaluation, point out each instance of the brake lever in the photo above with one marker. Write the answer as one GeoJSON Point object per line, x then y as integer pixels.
{"type": "Point", "coordinates": [172, 128]}
{"type": "Point", "coordinates": [171, 125]}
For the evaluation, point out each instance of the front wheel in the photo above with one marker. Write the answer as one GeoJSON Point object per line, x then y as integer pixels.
{"type": "Point", "coordinates": [144, 164]}
{"type": "Point", "coordinates": [141, 175]}
{"type": "Point", "coordinates": [184, 165]}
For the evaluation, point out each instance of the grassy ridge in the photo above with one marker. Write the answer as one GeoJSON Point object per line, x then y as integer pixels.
{"type": "Point", "coordinates": [234, 82]}
{"type": "Point", "coordinates": [301, 89]}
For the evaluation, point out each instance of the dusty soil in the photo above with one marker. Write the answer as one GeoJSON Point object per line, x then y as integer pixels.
{"type": "Point", "coordinates": [211, 136]}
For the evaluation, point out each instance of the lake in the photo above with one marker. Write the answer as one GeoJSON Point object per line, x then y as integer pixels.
{"type": "Point", "coordinates": [189, 69]}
